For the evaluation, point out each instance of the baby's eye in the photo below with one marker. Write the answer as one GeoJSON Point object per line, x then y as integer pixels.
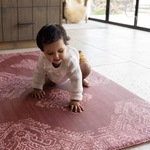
{"type": "Point", "coordinates": [50, 53]}
{"type": "Point", "coordinates": [60, 51]}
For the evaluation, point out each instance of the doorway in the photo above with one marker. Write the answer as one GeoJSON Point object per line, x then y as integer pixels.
{"type": "Point", "coordinates": [130, 13]}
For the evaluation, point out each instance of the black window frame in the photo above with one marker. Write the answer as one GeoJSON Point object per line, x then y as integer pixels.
{"type": "Point", "coordinates": [121, 24]}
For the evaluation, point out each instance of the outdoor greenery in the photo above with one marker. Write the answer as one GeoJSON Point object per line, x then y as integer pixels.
{"type": "Point", "coordinates": [100, 12]}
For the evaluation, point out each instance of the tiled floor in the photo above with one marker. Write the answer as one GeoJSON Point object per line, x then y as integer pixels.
{"type": "Point", "coordinates": [119, 53]}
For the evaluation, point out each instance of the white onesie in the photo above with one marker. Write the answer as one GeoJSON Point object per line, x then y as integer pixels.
{"type": "Point", "coordinates": [68, 70]}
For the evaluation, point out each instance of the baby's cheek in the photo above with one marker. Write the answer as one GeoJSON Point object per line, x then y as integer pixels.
{"type": "Point", "coordinates": [49, 58]}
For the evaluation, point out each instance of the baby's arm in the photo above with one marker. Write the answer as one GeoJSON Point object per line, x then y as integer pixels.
{"type": "Point", "coordinates": [38, 79]}
{"type": "Point", "coordinates": [76, 87]}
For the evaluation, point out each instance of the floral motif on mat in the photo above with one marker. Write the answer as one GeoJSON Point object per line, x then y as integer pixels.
{"type": "Point", "coordinates": [129, 124]}
{"type": "Point", "coordinates": [59, 98]}
{"type": "Point", "coordinates": [10, 83]}
{"type": "Point", "coordinates": [30, 134]}
{"type": "Point", "coordinates": [7, 56]}
{"type": "Point", "coordinates": [97, 79]}
{"type": "Point", "coordinates": [34, 53]}
{"type": "Point", "coordinates": [25, 63]}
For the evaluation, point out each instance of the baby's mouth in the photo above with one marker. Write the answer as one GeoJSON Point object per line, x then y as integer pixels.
{"type": "Point", "coordinates": [57, 60]}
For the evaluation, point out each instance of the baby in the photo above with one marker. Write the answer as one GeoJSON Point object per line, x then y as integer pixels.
{"type": "Point", "coordinates": [59, 63]}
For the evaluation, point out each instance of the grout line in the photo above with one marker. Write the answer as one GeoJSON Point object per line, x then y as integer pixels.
{"type": "Point", "coordinates": [122, 63]}
{"type": "Point", "coordinates": [140, 65]}
{"type": "Point", "coordinates": [111, 64]}
{"type": "Point", "coordinates": [115, 55]}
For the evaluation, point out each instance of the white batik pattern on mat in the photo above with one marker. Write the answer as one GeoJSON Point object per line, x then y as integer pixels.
{"type": "Point", "coordinates": [12, 86]}
{"type": "Point", "coordinates": [25, 63]}
{"type": "Point", "coordinates": [97, 79]}
{"type": "Point", "coordinates": [59, 98]}
{"type": "Point", "coordinates": [129, 125]}
{"type": "Point", "coordinates": [35, 53]}
{"type": "Point", "coordinates": [7, 56]}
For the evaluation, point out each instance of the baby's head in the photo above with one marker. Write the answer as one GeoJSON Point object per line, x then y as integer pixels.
{"type": "Point", "coordinates": [52, 40]}
{"type": "Point", "coordinates": [51, 33]}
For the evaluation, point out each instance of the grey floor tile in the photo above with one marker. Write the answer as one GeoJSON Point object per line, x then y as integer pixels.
{"type": "Point", "coordinates": [140, 55]}
{"type": "Point", "coordinates": [110, 42]}
{"type": "Point", "coordinates": [93, 33]}
{"type": "Point", "coordinates": [96, 56]}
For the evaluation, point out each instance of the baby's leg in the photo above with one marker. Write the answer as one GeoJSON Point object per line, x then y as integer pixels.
{"type": "Point", "coordinates": [48, 81]}
{"type": "Point", "coordinates": [85, 69]}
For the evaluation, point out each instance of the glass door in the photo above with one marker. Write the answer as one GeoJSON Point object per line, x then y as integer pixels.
{"type": "Point", "coordinates": [144, 14]}
{"type": "Point", "coordinates": [122, 11]}
{"type": "Point", "coordinates": [98, 9]}
{"type": "Point", "coordinates": [130, 13]}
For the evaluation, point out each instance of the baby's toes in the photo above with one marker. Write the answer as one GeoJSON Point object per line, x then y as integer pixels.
{"type": "Point", "coordinates": [86, 83]}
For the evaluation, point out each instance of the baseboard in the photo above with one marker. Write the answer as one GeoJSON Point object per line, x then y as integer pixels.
{"type": "Point", "coordinates": [17, 44]}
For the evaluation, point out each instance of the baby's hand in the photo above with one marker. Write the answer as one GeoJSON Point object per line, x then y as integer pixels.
{"type": "Point", "coordinates": [75, 106]}
{"type": "Point", "coordinates": [38, 93]}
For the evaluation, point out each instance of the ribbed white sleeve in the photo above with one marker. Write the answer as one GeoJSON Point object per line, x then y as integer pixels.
{"type": "Point", "coordinates": [75, 75]}
{"type": "Point", "coordinates": [39, 75]}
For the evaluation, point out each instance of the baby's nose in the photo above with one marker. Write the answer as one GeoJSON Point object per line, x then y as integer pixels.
{"type": "Point", "coordinates": [56, 55]}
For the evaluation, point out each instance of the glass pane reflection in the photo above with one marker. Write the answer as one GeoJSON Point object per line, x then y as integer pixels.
{"type": "Point", "coordinates": [144, 14]}
{"type": "Point", "coordinates": [98, 9]}
{"type": "Point", "coordinates": [122, 11]}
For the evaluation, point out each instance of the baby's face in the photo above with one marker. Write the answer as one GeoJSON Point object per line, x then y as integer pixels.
{"type": "Point", "coordinates": [55, 52]}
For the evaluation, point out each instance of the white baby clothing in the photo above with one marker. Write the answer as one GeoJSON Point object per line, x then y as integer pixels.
{"type": "Point", "coordinates": [68, 70]}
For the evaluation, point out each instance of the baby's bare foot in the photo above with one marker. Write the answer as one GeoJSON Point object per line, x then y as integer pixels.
{"type": "Point", "coordinates": [86, 83]}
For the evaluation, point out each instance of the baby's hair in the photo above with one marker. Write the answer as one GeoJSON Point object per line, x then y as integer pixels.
{"type": "Point", "coordinates": [51, 33]}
